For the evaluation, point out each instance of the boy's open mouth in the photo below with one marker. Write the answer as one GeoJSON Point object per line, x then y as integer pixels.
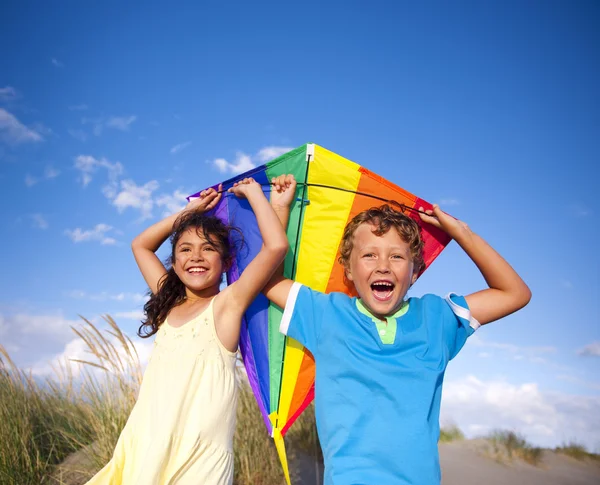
{"type": "Point", "coordinates": [382, 290]}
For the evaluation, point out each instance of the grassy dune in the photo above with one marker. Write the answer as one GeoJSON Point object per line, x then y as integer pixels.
{"type": "Point", "coordinates": [64, 429]}
{"type": "Point", "coordinates": [44, 423]}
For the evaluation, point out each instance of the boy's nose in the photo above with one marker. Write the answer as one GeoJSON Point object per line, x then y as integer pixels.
{"type": "Point", "coordinates": [383, 268]}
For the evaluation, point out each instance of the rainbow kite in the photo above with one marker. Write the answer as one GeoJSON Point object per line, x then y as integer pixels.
{"type": "Point", "coordinates": [331, 190]}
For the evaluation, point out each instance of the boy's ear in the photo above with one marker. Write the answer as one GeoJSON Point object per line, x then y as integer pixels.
{"type": "Point", "coordinates": [348, 274]}
{"type": "Point", "coordinates": [414, 278]}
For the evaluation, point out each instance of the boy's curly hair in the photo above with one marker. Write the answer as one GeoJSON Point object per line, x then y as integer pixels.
{"type": "Point", "coordinates": [384, 218]}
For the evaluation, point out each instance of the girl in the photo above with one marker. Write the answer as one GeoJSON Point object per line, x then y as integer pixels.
{"type": "Point", "coordinates": [180, 431]}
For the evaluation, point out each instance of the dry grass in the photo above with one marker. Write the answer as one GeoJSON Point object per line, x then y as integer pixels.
{"type": "Point", "coordinates": [577, 451]}
{"type": "Point", "coordinates": [508, 445]}
{"type": "Point", "coordinates": [37, 423]}
{"type": "Point", "coordinates": [63, 430]}
{"type": "Point", "coordinates": [451, 433]}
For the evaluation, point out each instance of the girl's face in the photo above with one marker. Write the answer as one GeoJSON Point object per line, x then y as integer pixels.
{"type": "Point", "coordinates": [197, 262]}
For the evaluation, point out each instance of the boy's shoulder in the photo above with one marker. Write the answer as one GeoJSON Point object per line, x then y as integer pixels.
{"type": "Point", "coordinates": [333, 300]}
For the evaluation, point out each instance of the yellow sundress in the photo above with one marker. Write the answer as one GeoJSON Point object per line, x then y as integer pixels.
{"type": "Point", "coordinates": [180, 431]}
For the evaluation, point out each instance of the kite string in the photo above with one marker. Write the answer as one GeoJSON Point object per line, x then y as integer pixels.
{"type": "Point", "coordinates": [402, 207]}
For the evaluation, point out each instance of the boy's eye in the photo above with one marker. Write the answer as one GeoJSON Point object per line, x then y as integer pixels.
{"type": "Point", "coordinates": [368, 255]}
{"type": "Point", "coordinates": [397, 256]}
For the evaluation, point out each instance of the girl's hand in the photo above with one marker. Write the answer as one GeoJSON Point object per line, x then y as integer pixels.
{"type": "Point", "coordinates": [208, 199]}
{"type": "Point", "coordinates": [451, 226]}
{"type": "Point", "coordinates": [283, 191]}
{"type": "Point", "coordinates": [244, 186]}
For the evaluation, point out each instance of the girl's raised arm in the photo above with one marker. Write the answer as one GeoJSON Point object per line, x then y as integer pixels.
{"type": "Point", "coordinates": [236, 298]}
{"type": "Point", "coordinates": [145, 245]}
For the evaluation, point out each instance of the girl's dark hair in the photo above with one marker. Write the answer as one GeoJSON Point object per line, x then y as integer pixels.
{"type": "Point", "coordinates": [171, 291]}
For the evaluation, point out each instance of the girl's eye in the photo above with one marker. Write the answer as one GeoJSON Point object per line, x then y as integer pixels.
{"type": "Point", "coordinates": [209, 248]}
{"type": "Point", "coordinates": [183, 250]}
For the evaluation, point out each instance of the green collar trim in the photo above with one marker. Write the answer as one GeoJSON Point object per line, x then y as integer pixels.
{"type": "Point", "coordinates": [386, 330]}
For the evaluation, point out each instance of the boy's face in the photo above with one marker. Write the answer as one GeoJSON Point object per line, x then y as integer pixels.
{"type": "Point", "coordinates": [381, 269]}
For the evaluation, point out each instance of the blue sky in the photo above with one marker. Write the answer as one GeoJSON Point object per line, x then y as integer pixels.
{"type": "Point", "coordinates": [110, 115]}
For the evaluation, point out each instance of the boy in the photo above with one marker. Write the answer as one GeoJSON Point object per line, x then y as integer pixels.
{"type": "Point", "coordinates": [380, 360]}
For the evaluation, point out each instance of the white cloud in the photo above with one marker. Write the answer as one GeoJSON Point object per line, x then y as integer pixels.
{"type": "Point", "coordinates": [578, 381]}
{"type": "Point", "coordinates": [30, 180]}
{"type": "Point", "coordinates": [244, 162]}
{"type": "Point", "coordinates": [78, 134]}
{"type": "Point", "coordinates": [137, 315]}
{"type": "Point", "coordinates": [56, 62]}
{"type": "Point", "coordinates": [544, 418]}
{"type": "Point", "coordinates": [181, 146]}
{"type": "Point", "coordinates": [51, 172]}
{"type": "Point", "coordinates": [121, 122]}
{"type": "Point", "coordinates": [98, 233]}
{"type": "Point", "coordinates": [136, 196]}
{"type": "Point", "coordinates": [32, 337]}
{"type": "Point", "coordinates": [8, 93]}
{"type": "Point", "coordinates": [77, 349]}
{"type": "Point", "coordinates": [173, 203]}
{"type": "Point", "coordinates": [39, 221]}
{"type": "Point", "coordinates": [97, 124]}
{"type": "Point", "coordinates": [269, 153]}
{"type": "Point", "coordinates": [13, 132]}
{"type": "Point", "coordinates": [88, 165]}
{"type": "Point", "coordinates": [20, 328]}
{"type": "Point", "coordinates": [515, 351]}
{"type": "Point", "coordinates": [78, 107]}
{"type": "Point", "coordinates": [105, 296]}
{"type": "Point", "coordinates": [592, 349]}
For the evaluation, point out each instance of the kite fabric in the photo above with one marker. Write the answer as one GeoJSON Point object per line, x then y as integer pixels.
{"type": "Point", "coordinates": [331, 191]}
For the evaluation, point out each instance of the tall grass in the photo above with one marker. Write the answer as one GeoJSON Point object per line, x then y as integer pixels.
{"type": "Point", "coordinates": [507, 445]}
{"type": "Point", "coordinates": [36, 424]}
{"type": "Point", "coordinates": [451, 433]}
{"type": "Point", "coordinates": [81, 417]}
{"type": "Point", "coordinates": [577, 451]}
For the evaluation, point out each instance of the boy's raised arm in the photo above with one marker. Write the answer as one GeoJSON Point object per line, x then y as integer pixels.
{"type": "Point", "coordinates": [282, 196]}
{"type": "Point", "coordinates": [507, 292]}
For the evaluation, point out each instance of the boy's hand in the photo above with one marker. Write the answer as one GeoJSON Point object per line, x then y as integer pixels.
{"type": "Point", "coordinates": [242, 188]}
{"type": "Point", "coordinates": [451, 226]}
{"type": "Point", "coordinates": [283, 191]}
{"type": "Point", "coordinates": [208, 199]}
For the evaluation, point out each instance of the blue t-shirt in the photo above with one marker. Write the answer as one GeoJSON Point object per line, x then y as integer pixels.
{"type": "Point", "coordinates": [378, 405]}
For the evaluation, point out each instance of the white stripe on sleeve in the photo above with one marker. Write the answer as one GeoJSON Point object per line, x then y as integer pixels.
{"type": "Point", "coordinates": [289, 307]}
{"type": "Point", "coordinates": [462, 312]}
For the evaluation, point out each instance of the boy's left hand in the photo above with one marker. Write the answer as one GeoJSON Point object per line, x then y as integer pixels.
{"type": "Point", "coordinates": [451, 226]}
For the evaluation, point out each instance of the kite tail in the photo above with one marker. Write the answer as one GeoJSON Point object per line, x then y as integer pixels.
{"type": "Point", "coordinates": [280, 445]}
